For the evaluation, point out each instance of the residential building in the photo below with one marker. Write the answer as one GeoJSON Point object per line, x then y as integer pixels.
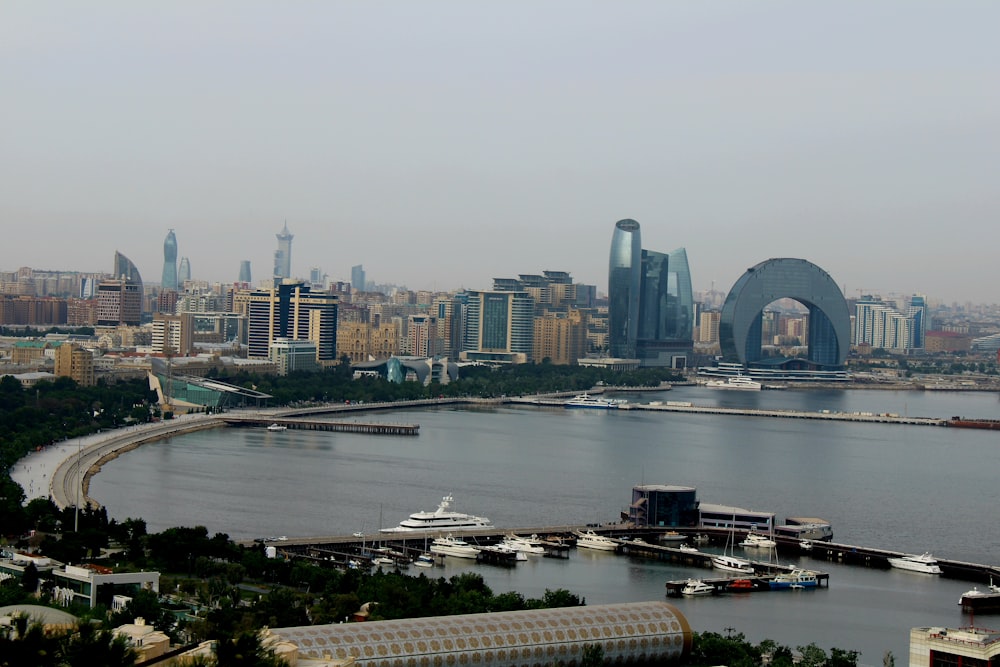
{"type": "Point", "coordinates": [708, 331]}
{"type": "Point", "coordinates": [73, 361]}
{"type": "Point", "coordinates": [880, 325]}
{"type": "Point", "coordinates": [93, 584]}
{"type": "Point", "coordinates": [173, 334]}
{"type": "Point", "coordinates": [560, 338]}
{"type": "Point", "coordinates": [954, 647]}
{"type": "Point", "coordinates": [422, 336]}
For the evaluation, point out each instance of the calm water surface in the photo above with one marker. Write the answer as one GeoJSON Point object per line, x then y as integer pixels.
{"type": "Point", "coordinates": [909, 488]}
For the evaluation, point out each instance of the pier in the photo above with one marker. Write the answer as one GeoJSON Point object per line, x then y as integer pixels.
{"type": "Point", "coordinates": [370, 428]}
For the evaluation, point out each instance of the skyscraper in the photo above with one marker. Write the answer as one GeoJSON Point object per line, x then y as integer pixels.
{"type": "Point", "coordinates": [184, 273]}
{"type": "Point", "coordinates": [245, 271]}
{"type": "Point", "coordinates": [650, 302]}
{"type": "Point", "coordinates": [624, 276]}
{"type": "Point", "coordinates": [125, 272]}
{"type": "Point", "coordinates": [169, 279]}
{"type": "Point", "coordinates": [283, 255]}
{"type": "Point", "coordinates": [358, 278]}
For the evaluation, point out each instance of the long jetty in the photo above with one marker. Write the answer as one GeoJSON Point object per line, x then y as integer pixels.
{"type": "Point", "coordinates": [635, 542]}
{"type": "Point", "coordinates": [372, 428]}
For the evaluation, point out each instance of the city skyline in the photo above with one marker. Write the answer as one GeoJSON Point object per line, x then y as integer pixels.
{"type": "Point", "coordinates": [446, 145]}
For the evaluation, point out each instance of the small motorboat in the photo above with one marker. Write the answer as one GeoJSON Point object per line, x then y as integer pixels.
{"type": "Point", "coordinates": [424, 560]}
{"type": "Point", "coordinates": [740, 585]}
{"type": "Point", "coordinates": [277, 427]}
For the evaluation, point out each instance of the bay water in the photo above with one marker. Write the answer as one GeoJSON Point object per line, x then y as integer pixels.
{"type": "Point", "coordinates": [907, 488]}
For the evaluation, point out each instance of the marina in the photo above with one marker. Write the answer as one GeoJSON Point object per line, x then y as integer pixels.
{"type": "Point", "coordinates": [533, 468]}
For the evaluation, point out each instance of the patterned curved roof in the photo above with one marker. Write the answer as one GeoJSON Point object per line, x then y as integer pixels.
{"type": "Point", "coordinates": [631, 632]}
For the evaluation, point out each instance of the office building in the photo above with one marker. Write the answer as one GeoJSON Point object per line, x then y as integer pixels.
{"type": "Point", "coordinates": [293, 355]}
{"type": "Point", "coordinates": [169, 279]}
{"type": "Point", "coordinates": [650, 301]}
{"type": "Point", "coordinates": [499, 327]}
{"type": "Point", "coordinates": [358, 278]}
{"type": "Point", "coordinates": [283, 255]}
{"type": "Point", "coordinates": [292, 311]}
{"type": "Point", "coordinates": [245, 276]}
{"type": "Point", "coordinates": [741, 323]}
{"type": "Point", "coordinates": [119, 302]}
{"type": "Point", "coordinates": [624, 281]}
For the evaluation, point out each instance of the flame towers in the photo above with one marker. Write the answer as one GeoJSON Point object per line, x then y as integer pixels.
{"type": "Point", "coordinates": [169, 279]}
{"type": "Point", "coordinates": [624, 275]}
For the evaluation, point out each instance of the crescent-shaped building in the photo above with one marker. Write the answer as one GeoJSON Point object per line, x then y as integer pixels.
{"type": "Point", "coordinates": [829, 318]}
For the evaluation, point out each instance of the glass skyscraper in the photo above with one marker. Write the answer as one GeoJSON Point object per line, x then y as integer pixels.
{"type": "Point", "coordinates": [624, 277]}
{"type": "Point", "coordinates": [169, 279]}
{"type": "Point", "coordinates": [650, 301]}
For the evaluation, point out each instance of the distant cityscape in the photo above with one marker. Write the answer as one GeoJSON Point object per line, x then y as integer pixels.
{"type": "Point", "coordinates": [783, 313]}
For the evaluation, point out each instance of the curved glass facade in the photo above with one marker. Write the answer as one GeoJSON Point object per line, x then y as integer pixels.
{"type": "Point", "coordinates": [630, 633]}
{"type": "Point", "coordinates": [624, 278]}
{"type": "Point", "coordinates": [125, 270]}
{"type": "Point", "coordinates": [829, 319]}
{"type": "Point", "coordinates": [169, 279]}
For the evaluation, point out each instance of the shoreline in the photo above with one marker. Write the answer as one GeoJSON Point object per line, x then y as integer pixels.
{"type": "Point", "coordinates": [50, 473]}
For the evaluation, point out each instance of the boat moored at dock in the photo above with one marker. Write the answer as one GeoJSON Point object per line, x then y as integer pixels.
{"type": "Point", "coordinates": [797, 578]}
{"type": "Point", "coordinates": [452, 546]}
{"type": "Point", "coordinates": [442, 519]}
{"type": "Point", "coordinates": [588, 401]}
{"type": "Point", "coordinates": [697, 587]}
{"type": "Point", "coordinates": [924, 563]}
{"type": "Point", "coordinates": [739, 382]}
{"type": "Point", "coordinates": [591, 540]}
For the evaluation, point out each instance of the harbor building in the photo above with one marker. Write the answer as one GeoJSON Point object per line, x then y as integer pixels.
{"type": "Point", "coordinates": [631, 633]}
{"type": "Point", "coordinates": [663, 505]}
{"type": "Point", "coordinates": [954, 647]}
{"type": "Point", "coordinates": [829, 325]}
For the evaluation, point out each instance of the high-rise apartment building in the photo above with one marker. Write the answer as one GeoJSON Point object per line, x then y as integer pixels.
{"type": "Point", "coordinates": [292, 310]}
{"type": "Point", "coordinates": [708, 330]}
{"type": "Point", "coordinates": [173, 334]}
{"type": "Point", "coordinates": [421, 331]}
{"type": "Point", "coordinates": [283, 255]}
{"type": "Point", "coordinates": [499, 326]}
{"type": "Point", "coordinates": [880, 325]}
{"type": "Point", "coordinates": [169, 279]}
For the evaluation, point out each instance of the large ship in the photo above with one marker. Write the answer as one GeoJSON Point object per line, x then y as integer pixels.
{"type": "Point", "coordinates": [741, 382]}
{"type": "Point", "coordinates": [442, 519]}
{"type": "Point", "coordinates": [588, 401]}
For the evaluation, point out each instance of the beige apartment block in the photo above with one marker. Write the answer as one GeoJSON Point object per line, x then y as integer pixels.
{"type": "Point", "coordinates": [75, 362]}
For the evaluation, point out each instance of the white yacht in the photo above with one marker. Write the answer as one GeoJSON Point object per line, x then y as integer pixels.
{"type": "Point", "coordinates": [277, 427]}
{"type": "Point", "coordinates": [527, 545]}
{"type": "Point", "coordinates": [440, 519]}
{"type": "Point", "coordinates": [424, 560]}
{"type": "Point", "coordinates": [688, 549]}
{"type": "Point", "coordinates": [588, 401]}
{"type": "Point", "coordinates": [744, 382]}
{"type": "Point", "coordinates": [452, 546]}
{"type": "Point", "coordinates": [697, 587]}
{"type": "Point", "coordinates": [732, 564]}
{"type": "Point", "coordinates": [757, 541]}
{"type": "Point", "coordinates": [925, 563]}
{"type": "Point", "coordinates": [591, 540]}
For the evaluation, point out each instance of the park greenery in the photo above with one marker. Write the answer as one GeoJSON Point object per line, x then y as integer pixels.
{"type": "Point", "coordinates": [213, 588]}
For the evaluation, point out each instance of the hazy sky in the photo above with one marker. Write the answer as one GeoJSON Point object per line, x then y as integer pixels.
{"type": "Point", "coordinates": [441, 144]}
